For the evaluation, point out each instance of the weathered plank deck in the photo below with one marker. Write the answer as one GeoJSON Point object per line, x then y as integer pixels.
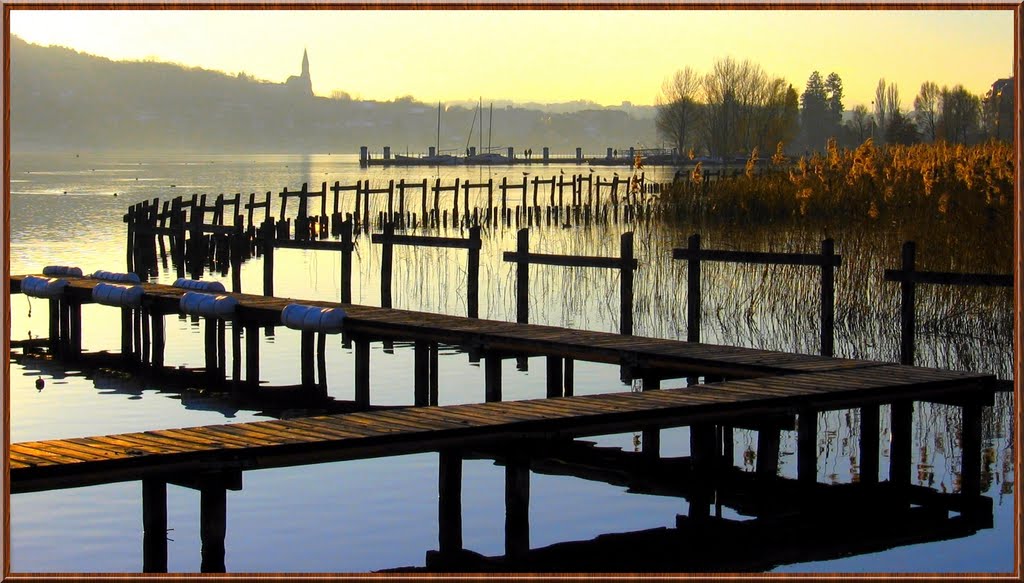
{"type": "Point", "coordinates": [638, 352]}
{"type": "Point", "coordinates": [60, 463]}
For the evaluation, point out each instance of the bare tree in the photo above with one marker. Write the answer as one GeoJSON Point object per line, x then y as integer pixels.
{"type": "Point", "coordinates": [744, 108]}
{"type": "Point", "coordinates": [679, 108]}
{"type": "Point", "coordinates": [961, 111]}
{"type": "Point", "coordinates": [926, 108]}
{"type": "Point", "coordinates": [879, 104]}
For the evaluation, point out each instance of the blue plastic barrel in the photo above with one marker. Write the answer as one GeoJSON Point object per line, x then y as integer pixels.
{"type": "Point", "coordinates": [116, 277]}
{"type": "Point", "coordinates": [113, 294]}
{"type": "Point", "coordinates": [313, 318]}
{"type": "Point", "coordinates": [208, 305]}
{"type": "Point", "coordinates": [43, 287]}
{"type": "Point", "coordinates": [201, 286]}
{"type": "Point", "coordinates": [58, 270]}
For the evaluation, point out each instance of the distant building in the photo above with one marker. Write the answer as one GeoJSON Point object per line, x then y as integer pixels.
{"type": "Point", "coordinates": [999, 110]}
{"type": "Point", "coordinates": [301, 84]}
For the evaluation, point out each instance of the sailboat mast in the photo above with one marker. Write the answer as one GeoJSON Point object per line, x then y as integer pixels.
{"type": "Point", "coordinates": [437, 146]}
{"type": "Point", "coordinates": [490, 126]}
{"type": "Point", "coordinates": [480, 136]}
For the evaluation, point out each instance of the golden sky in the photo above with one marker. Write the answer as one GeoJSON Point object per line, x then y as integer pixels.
{"type": "Point", "coordinates": [545, 55]}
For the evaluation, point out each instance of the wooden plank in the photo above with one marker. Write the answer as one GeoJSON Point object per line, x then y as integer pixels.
{"type": "Point", "coordinates": [133, 443]}
{"type": "Point", "coordinates": [51, 458]}
{"type": "Point", "coordinates": [425, 241]}
{"type": "Point", "coordinates": [322, 428]}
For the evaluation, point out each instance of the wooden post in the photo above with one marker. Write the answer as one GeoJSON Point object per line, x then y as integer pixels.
{"type": "Point", "coordinates": [252, 356]}
{"type": "Point", "coordinates": [362, 396]}
{"type": "Point", "coordinates": [221, 350]}
{"type": "Point", "coordinates": [433, 374]}
{"type": "Point", "coordinates": [554, 376]}
{"type": "Point", "coordinates": [387, 248]}
{"type": "Point", "coordinates": [75, 309]}
{"type": "Point", "coordinates": [492, 377]}
{"type": "Point", "coordinates": [901, 427]}
{"type": "Point", "coordinates": [321, 363]}
{"type": "Point", "coordinates": [473, 273]}
{"type": "Point", "coordinates": [807, 446]}
{"type": "Point", "coordinates": [907, 319]}
{"type": "Point", "coordinates": [210, 345]}
{"type": "Point", "coordinates": [268, 257]}
{"type": "Point", "coordinates": [346, 261]}
{"type": "Point", "coordinates": [126, 329]}
{"type": "Point", "coordinates": [522, 277]}
{"type": "Point", "coordinates": [651, 437]}
{"type": "Point", "coordinates": [869, 444]}
{"type": "Point", "coordinates": [449, 500]}
{"type": "Point", "coordinates": [213, 507]}
{"type": "Point", "coordinates": [130, 240]}
{"type": "Point", "coordinates": [421, 373]}
{"type": "Point", "coordinates": [517, 506]}
{"type": "Point", "coordinates": [702, 459]}
{"type": "Point", "coordinates": [568, 380]}
{"type": "Point", "coordinates": [693, 290]}
{"type": "Point", "coordinates": [154, 526]}
{"type": "Point", "coordinates": [504, 195]}
{"type": "Point", "coordinates": [306, 360]}
{"type": "Point", "coordinates": [626, 285]}
{"type": "Point", "coordinates": [828, 299]}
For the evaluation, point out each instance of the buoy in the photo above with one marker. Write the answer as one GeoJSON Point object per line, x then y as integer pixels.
{"type": "Point", "coordinates": [40, 383]}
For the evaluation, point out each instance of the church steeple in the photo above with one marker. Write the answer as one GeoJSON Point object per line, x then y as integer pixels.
{"type": "Point", "coordinates": [301, 83]}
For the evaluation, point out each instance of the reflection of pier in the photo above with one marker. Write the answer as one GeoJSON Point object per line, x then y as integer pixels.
{"type": "Point", "coordinates": [527, 435]}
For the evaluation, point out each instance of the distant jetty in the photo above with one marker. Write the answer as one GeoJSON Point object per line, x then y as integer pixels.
{"type": "Point", "coordinates": [613, 157]}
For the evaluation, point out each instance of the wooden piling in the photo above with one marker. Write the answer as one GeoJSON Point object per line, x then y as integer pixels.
{"type": "Point", "coordinates": [268, 257]}
{"type": "Point", "coordinates": [827, 298]}
{"type": "Point", "coordinates": [522, 276]}
{"type": "Point", "coordinates": [387, 247]}
{"type": "Point", "coordinates": [693, 307]}
{"type": "Point", "coordinates": [473, 274]}
{"type": "Point", "coordinates": [626, 285]}
{"type": "Point", "coordinates": [252, 356]}
{"type": "Point", "coordinates": [907, 297]}
{"type": "Point", "coordinates": [362, 373]}
{"type": "Point", "coordinates": [554, 376]}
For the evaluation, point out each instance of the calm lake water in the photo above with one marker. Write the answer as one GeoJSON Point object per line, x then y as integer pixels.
{"type": "Point", "coordinates": [382, 513]}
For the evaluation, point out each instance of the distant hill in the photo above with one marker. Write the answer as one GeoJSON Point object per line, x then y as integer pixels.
{"type": "Point", "coordinates": [65, 100]}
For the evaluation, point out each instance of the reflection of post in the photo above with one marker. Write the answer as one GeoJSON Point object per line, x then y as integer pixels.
{"type": "Point", "coordinates": [213, 506]}
{"type": "Point", "coordinates": [869, 444]}
{"type": "Point", "coordinates": [517, 506]}
{"type": "Point", "coordinates": [767, 451]}
{"type": "Point", "coordinates": [449, 500]}
{"type": "Point", "coordinates": [554, 376]}
{"type": "Point", "coordinates": [970, 449]}
{"type": "Point", "coordinates": [702, 459]}
{"type": "Point", "coordinates": [807, 445]}
{"type": "Point", "coordinates": [154, 526]}
{"type": "Point", "coordinates": [899, 449]}
{"type": "Point", "coordinates": [492, 377]}
{"type": "Point", "coordinates": [421, 373]}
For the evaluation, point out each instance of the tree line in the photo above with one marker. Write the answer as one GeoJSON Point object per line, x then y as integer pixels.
{"type": "Point", "coordinates": [737, 108]}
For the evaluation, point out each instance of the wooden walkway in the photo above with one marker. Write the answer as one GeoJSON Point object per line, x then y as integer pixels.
{"type": "Point", "coordinates": [50, 464]}
{"type": "Point", "coordinates": [639, 353]}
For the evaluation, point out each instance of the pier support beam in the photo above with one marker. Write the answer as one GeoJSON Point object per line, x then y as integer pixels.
{"type": "Point", "coordinates": [362, 381]}
{"type": "Point", "coordinates": [970, 450]}
{"type": "Point", "coordinates": [554, 376]}
{"type": "Point", "coordinates": [421, 374]}
{"type": "Point", "coordinates": [449, 500]}
{"type": "Point", "coordinates": [651, 440]}
{"type": "Point", "coordinates": [252, 356]}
